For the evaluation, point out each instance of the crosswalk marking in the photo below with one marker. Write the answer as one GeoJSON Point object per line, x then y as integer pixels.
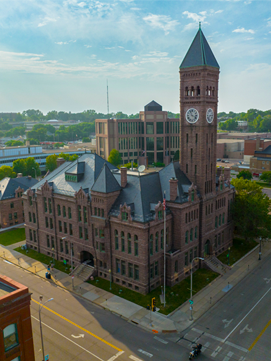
{"type": "Point", "coordinates": [242, 358]}
{"type": "Point", "coordinates": [229, 355]}
{"type": "Point", "coordinates": [217, 350]}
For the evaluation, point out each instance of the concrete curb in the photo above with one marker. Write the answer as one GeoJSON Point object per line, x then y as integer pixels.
{"type": "Point", "coordinates": [246, 255]}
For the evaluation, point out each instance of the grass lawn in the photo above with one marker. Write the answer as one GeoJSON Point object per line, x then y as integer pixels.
{"type": "Point", "coordinates": [238, 250]}
{"type": "Point", "coordinates": [263, 184]}
{"type": "Point", "coordinates": [44, 259]}
{"type": "Point", "coordinates": [13, 236]}
{"type": "Point", "coordinates": [175, 296]}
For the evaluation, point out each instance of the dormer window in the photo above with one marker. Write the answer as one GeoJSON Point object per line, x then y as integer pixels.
{"type": "Point", "coordinates": [71, 178]}
{"type": "Point", "coordinates": [124, 216]}
{"type": "Point", "coordinates": [160, 214]}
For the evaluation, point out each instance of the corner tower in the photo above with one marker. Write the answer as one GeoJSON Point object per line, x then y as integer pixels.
{"type": "Point", "coordinates": [199, 73]}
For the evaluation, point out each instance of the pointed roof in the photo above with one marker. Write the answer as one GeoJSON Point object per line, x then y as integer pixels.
{"type": "Point", "coordinates": [199, 53]}
{"type": "Point", "coordinates": [153, 106]}
{"type": "Point", "coordinates": [106, 182]}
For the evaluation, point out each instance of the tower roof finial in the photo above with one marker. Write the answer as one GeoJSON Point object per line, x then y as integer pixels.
{"type": "Point", "coordinates": [200, 25]}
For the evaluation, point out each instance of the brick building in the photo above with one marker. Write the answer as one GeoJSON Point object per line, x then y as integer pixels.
{"type": "Point", "coordinates": [11, 204]}
{"type": "Point", "coordinates": [114, 218]}
{"type": "Point", "coordinates": [16, 340]}
{"type": "Point", "coordinates": [252, 145]}
{"type": "Point", "coordinates": [261, 161]}
{"type": "Point", "coordinates": [153, 137]}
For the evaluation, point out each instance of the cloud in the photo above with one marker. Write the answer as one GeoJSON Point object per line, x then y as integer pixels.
{"type": "Point", "coordinates": [243, 30]}
{"type": "Point", "coordinates": [163, 22]}
{"type": "Point", "coordinates": [135, 9]}
{"type": "Point", "coordinates": [197, 18]}
{"type": "Point", "coordinates": [268, 22]}
{"type": "Point", "coordinates": [82, 4]}
{"type": "Point", "coordinates": [249, 38]}
{"type": "Point", "coordinates": [88, 46]}
{"type": "Point", "coordinates": [61, 42]}
{"type": "Point", "coordinates": [45, 21]}
{"type": "Point", "coordinates": [121, 47]}
{"type": "Point", "coordinates": [108, 48]}
{"type": "Point", "coordinates": [219, 11]}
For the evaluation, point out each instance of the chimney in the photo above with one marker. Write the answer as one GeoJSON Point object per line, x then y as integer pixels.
{"type": "Point", "coordinates": [60, 161]}
{"type": "Point", "coordinates": [227, 174]}
{"type": "Point", "coordinates": [123, 177]}
{"type": "Point", "coordinates": [29, 177]}
{"type": "Point", "coordinates": [219, 171]}
{"type": "Point", "coordinates": [19, 175]}
{"type": "Point", "coordinates": [27, 143]}
{"type": "Point", "coordinates": [173, 188]}
{"type": "Point", "coordinates": [258, 143]}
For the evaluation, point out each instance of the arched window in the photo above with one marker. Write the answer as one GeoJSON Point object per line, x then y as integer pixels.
{"type": "Point", "coordinates": [136, 245]}
{"type": "Point", "coordinates": [192, 91]}
{"type": "Point", "coordinates": [209, 91]}
{"type": "Point", "coordinates": [122, 242]}
{"type": "Point", "coordinates": [215, 222]}
{"type": "Point", "coordinates": [219, 223]}
{"type": "Point", "coordinates": [10, 337]}
{"type": "Point", "coordinates": [198, 90]}
{"type": "Point", "coordinates": [156, 241]}
{"type": "Point", "coordinates": [213, 92]}
{"type": "Point", "coordinates": [129, 243]}
{"type": "Point", "coordinates": [192, 195]}
{"type": "Point", "coordinates": [116, 239]}
{"type": "Point", "coordinates": [186, 91]}
{"type": "Point", "coordinates": [223, 218]}
{"type": "Point", "coordinates": [151, 244]}
{"type": "Point", "coordinates": [206, 92]}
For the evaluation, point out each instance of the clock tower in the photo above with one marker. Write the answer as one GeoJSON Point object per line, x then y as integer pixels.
{"type": "Point", "coordinates": [199, 73]}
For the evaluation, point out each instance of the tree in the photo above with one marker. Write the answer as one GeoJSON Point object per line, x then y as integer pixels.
{"type": "Point", "coordinates": [6, 171]}
{"type": "Point", "coordinates": [245, 174]}
{"type": "Point", "coordinates": [266, 177]}
{"type": "Point", "coordinates": [114, 157]}
{"type": "Point", "coordinates": [33, 141]}
{"type": "Point", "coordinates": [250, 209]}
{"type": "Point", "coordinates": [13, 143]}
{"type": "Point", "coordinates": [86, 140]}
{"type": "Point", "coordinates": [129, 165]}
{"type": "Point", "coordinates": [27, 167]}
{"type": "Point", "coordinates": [50, 163]}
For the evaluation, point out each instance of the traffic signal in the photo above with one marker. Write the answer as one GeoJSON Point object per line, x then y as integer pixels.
{"type": "Point", "coordinates": [153, 303]}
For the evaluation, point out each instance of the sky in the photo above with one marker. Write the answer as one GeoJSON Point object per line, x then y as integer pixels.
{"type": "Point", "coordinates": [59, 54]}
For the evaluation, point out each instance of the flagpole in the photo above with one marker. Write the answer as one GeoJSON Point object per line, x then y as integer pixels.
{"type": "Point", "coordinates": [164, 248]}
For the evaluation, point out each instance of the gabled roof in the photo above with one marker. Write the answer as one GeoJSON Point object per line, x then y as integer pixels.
{"type": "Point", "coordinates": [8, 186]}
{"type": "Point", "coordinates": [199, 53]}
{"type": "Point", "coordinates": [106, 182]}
{"type": "Point", "coordinates": [267, 150]}
{"type": "Point", "coordinates": [153, 107]}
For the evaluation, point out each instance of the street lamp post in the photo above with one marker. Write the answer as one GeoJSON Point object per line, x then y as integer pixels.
{"type": "Point", "coordinates": [260, 249]}
{"type": "Point", "coordinates": [191, 285]}
{"type": "Point", "coordinates": [41, 337]}
{"type": "Point", "coordinates": [229, 249]}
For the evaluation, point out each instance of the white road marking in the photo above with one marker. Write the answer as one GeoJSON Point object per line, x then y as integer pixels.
{"type": "Point", "coordinates": [68, 339]}
{"type": "Point", "coordinates": [242, 358]}
{"type": "Point", "coordinates": [116, 356]}
{"type": "Point", "coordinates": [220, 340]}
{"type": "Point", "coordinates": [161, 340]}
{"type": "Point", "coordinates": [225, 339]}
{"type": "Point", "coordinates": [134, 358]}
{"type": "Point", "coordinates": [205, 346]}
{"type": "Point", "coordinates": [217, 350]}
{"type": "Point", "coordinates": [227, 323]}
{"type": "Point", "coordinates": [267, 280]}
{"type": "Point", "coordinates": [145, 353]}
{"type": "Point", "coordinates": [81, 335]}
{"type": "Point", "coordinates": [7, 262]}
{"type": "Point", "coordinates": [229, 355]}
{"type": "Point", "coordinates": [246, 329]}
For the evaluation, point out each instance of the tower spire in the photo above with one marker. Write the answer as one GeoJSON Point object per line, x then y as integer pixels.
{"type": "Point", "coordinates": [200, 25]}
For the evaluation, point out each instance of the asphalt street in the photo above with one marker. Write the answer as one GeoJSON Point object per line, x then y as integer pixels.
{"type": "Point", "coordinates": [75, 329]}
{"type": "Point", "coordinates": [238, 327]}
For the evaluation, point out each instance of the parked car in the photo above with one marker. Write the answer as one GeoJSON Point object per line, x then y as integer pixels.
{"type": "Point", "coordinates": [226, 161]}
{"type": "Point", "coordinates": [255, 174]}
{"type": "Point", "coordinates": [218, 160]}
{"type": "Point", "coordinates": [223, 161]}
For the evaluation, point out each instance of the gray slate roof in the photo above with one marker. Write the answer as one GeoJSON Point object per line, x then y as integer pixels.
{"type": "Point", "coordinates": [199, 53]}
{"type": "Point", "coordinates": [265, 151]}
{"type": "Point", "coordinates": [106, 182]}
{"type": "Point", "coordinates": [8, 186]}
{"type": "Point", "coordinates": [153, 106]}
{"type": "Point", "coordinates": [92, 168]}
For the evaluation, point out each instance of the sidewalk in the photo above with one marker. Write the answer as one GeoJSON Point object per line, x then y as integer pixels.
{"type": "Point", "coordinates": [177, 321]}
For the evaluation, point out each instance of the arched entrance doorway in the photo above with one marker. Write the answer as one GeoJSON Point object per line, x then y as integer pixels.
{"type": "Point", "coordinates": [207, 248]}
{"type": "Point", "coordinates": [87, 257]}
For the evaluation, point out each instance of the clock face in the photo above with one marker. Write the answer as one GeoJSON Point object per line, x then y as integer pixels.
{"type": "Point", "coordinates": [192, 115]}
{"type": "Point", "coordinates": [209, 115]}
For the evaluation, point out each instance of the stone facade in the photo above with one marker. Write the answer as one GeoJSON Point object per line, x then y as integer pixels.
{"type": "Point", "coordinates": [115, 219]}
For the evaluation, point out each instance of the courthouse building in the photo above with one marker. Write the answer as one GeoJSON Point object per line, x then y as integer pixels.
{"type": "Point", "coordinates": [114, 218]}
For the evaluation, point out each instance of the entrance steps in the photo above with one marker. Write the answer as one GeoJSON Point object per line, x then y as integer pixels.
{"type": "Point", "coordinates": [83, 271]}
{"type": "Point", "coordinates": [215, 265]}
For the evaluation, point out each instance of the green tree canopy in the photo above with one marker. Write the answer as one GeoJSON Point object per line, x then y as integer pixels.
{"type": "Point", "coordinates": [251, 209]}
{"type": "Point", "coordinates": [266, 177]}
{"type": "Point", "coordinates": [51, 160]}
{"type": "Point", "coordinates": [114, 157]}
{"type": "Point", "coordinates": [245, 174]}
{"type": "Point", "coordinates": [13, 143]}
{"type": "Point", "coordinates": [86, 140]}
{"type": "Point", "coordinates": [129, 165]}
{"type": "Point", "coordinates": [27, 166]}
{"type": "Point", "coordinates": [6, 171]}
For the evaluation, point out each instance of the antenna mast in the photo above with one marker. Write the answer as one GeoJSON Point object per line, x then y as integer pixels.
{"type": "Point", "coordinates": [107, 97]}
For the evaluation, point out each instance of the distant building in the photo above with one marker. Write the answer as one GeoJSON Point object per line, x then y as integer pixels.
{"type": "Point", "coordinates": [16, 339]}
{"type": "Point", "coordinates": [153, 137]}
{"type": "Point", "coordinates": [230, 148]}
{"type": "Point", "coordinates": [255, 144]}
{"type": "Point", "coordinates": [114, 219]}
{"type": "Point", "coordinates": [261, 161]}
{"type": "Point", "coordinates": [11, 204]}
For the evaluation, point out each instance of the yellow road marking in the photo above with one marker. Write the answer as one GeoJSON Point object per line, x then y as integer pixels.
{"type": "Point", "coordinates": [81, 328]}
{"type": "Point", "coordinates": [260, 335]}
